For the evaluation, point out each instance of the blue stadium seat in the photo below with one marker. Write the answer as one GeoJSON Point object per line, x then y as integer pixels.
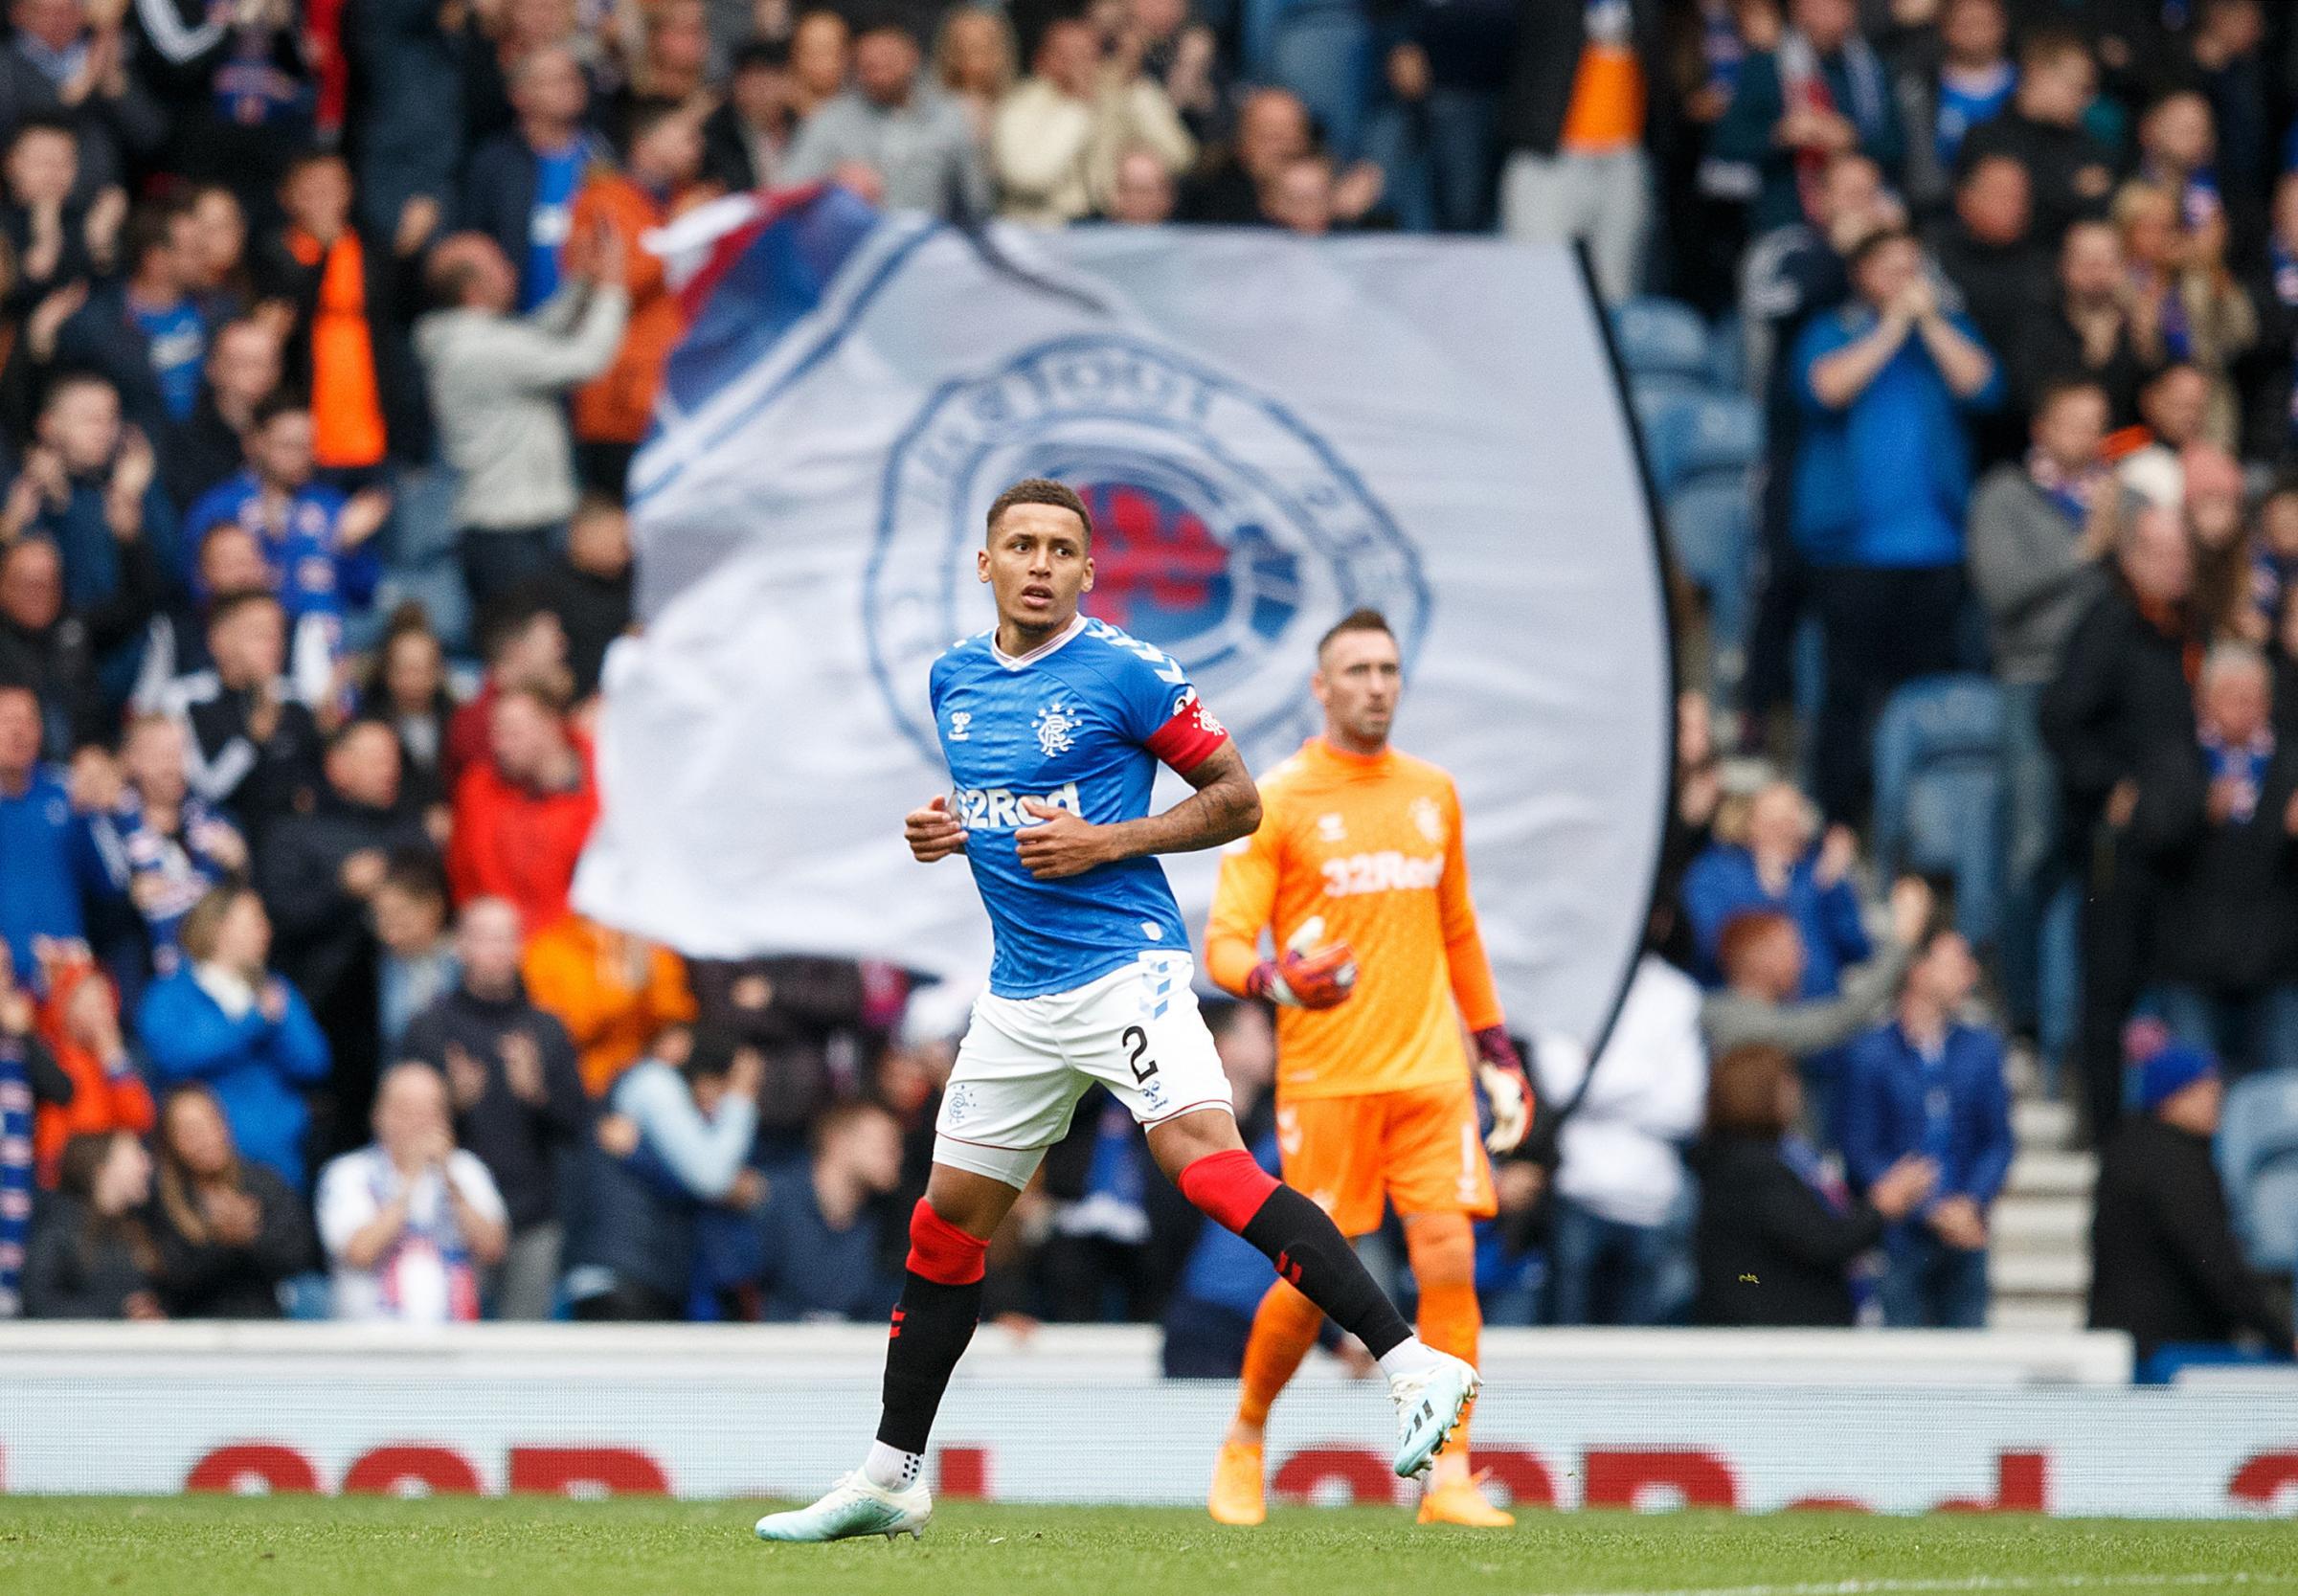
{"type": "Point", "coordinates": [1728, 354]}
{"type": "Point", "coordinates": [2258, 1161]}
{"type": "Point", "coordinates": [1711, 527]}
{"type": "Point", "coordinates": [1939, 792]}
{"type": "Point", "coordinates": [1667, 411]}
{"type": "Point", "coordinates": [1725, 433]}
{"type": "Point", "coordinates": [1660, 337]}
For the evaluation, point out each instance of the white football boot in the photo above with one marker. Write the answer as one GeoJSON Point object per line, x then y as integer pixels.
{"type": "Point", "coordinates": [1428, 1403]}
{"type": "Point", "coordinates": [853, 1507]}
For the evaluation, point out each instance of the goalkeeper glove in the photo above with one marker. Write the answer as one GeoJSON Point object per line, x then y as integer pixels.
{"type": "Point", "coordinates": [1504, 1090]}
{"type": "Point", "coordinates": [1306, 976]}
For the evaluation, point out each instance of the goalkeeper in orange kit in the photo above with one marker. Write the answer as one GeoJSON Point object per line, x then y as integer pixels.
{"type": "Point", "coordinates": [1358, 872]}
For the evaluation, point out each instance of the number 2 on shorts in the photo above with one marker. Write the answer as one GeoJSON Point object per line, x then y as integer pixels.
{"type": "Point", "coordinates": [1137, 1043]}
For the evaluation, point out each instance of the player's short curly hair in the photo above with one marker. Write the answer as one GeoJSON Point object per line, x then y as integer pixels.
{"type": "Point", "coordinates": [1038, 490]}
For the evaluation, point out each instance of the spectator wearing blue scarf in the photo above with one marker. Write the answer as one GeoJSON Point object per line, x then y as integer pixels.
{"type": "Point", "coordinates": [2216, 816]}
{"type": "Point", "coordinates": [1928, 1083]}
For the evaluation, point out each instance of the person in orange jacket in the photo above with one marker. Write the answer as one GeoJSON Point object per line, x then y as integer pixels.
{"type": "Point", "coordinates": [81, 1022]}
{"type": "Point", "coordinates": [613, 992]}
{"type": "Point", "coordinates": [522, 814]}
{"type": "Point", "coordinates": [613, 410]}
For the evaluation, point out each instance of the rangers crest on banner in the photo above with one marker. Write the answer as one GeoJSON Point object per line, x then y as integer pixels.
{"type": "Point", "coordinates": [1225, 531]}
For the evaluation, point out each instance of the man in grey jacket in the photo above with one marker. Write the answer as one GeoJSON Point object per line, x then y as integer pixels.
{"type": "Point", "coordinates": [2037, 559]}
{"type": "Point", "coordinates": [498, 383]}
{"type": "Point", "coordinates": [1762, 955]}
{"type": "Point", "coordinates": [892, 138]}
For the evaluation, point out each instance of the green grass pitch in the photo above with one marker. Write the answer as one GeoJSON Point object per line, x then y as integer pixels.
{"type": "Point", "coordinates": [532, 1546]}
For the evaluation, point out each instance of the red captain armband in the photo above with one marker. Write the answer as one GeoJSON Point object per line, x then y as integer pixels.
{"type": "Point", "coordinates": [1189, 738]}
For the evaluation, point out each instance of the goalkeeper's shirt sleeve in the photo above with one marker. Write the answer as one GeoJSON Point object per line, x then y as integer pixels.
{"type": "Point", "coordinates": [1244, 901]}
{"type": "Point", "coordinates": [1473, 989]}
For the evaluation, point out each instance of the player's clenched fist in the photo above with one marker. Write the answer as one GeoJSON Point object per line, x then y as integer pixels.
{"type": "Point", "coordinates": [934, 832]}
{"type": "Point", "coordinates": [1059, 843]}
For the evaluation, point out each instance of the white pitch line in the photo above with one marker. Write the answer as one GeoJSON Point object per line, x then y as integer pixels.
{"type": "Point", "coordinates": [1972, 1583]}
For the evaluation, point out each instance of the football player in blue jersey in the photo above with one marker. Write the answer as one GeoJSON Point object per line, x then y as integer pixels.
{"type": "Point", "coordinates": [1053, 726]}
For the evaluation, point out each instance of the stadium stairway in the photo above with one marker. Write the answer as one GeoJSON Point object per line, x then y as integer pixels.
{"type": "Point", "coordinates": [2040, 1261]}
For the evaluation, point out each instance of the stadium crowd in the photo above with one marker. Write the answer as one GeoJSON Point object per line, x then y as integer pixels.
{"type": "Point", "coordinates": [328, 344]}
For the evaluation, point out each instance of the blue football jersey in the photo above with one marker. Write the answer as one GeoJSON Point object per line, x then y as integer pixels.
{"type": "Point", "coordinates": [1079, 725]}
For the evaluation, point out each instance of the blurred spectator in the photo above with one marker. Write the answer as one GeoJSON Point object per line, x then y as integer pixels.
{"type": "Point", "coordinates": [319, 872]}
{"type": "Point", "coordinates": [59, 65]}
{"type": "Point", "coordinates": [1928, 1083]}
{"type": "Point", "coordinates": [1057, 136]}
{"type": "Point", "coordinates": [1209, 1318]}
{"type": "Point", "coordinates": [614, 409]}
{"type": "Point", "coordinates": [89, 487]}
{"type": "Point", "coordinates": [614, 992]}
{"type": "Point", "coordinates": [52, 228]}
{"type": "Point", "coordinates": [2165, 1266]}
{"type": "Point", "coordinates": [1883, 477]}
{"type": "Point", "coordinates": [212, 231]}
{"type": "Point", "coordinates": [411, 1220]}
{"type": "Point", "coordinates": [46, 837]}
{"type": "Point", "coordinates": [173, 844]}
{"type": "Point", "coordinates": [1141, 193]}
{"type": "Point", "coordinates": [1272, 129]}
{"type": "Point", "coordinates": [1574, 119]}
{"type": "Point", "coordinates": [497, 383]}
{"type": "Point", "coordinates": [240, 87]}
{"type": "Point", "coordinates": [417, 964]}
{"type": "Point", "coordinates": [353, 294]}
{"type": "Point", "coordinates": [895, 141]}
{"type": "Point", "coordinates": [254, 748]}
{"type": "Point", "coordinates": [746, 140]}
{"type": "Point", "coordinates": [1301, 198]}
{"type": "Point", "coordinates": [523, 644]}
{"type": "Point", "coordinates": [409, 694]}
{"type": "Point", "coordinates": [517, 1095]}
{"type": "Point", "coordinates": [523, 814]}
{"type": "Point", "coordinates": [820, 55]}
{"type": "Point", "coordinates": [2121, 693]}
{"type": "Point", "coordinates": [1764, 857]}
{"type": "Point", "coordinates": [1183, 56]}
{"type": "Point", "coordinates": [1821, 92]}
{"type": "Point", "coordinates": [2038, 556]}
{"type": "Point", "coordinates": [673, 60]}
{"type": "Point", "coordinates": [976, 61]}
{"type": "Point", "coordinates": [2271, 433]}
{"type": "Point", "coordinates": [820, 1221]}
{"type": "Point", "coordinates": [1763, 959]}
{"type": "Point", "coordinates": [245, 366]}
{"type": "Point", "coordinates": [415, 128]}
{"type": "Point", "coordinates": [2091, 332]}
{"type": "Point", "coordinates": [2044, 131]}
{"type": "Point", "coordinates": [2182, 289]}
{"type": "Point", "coordinates": [143, 333]}
{"type": "Point", "coordinates": [30, 1083]}
{"type": "Point", "coordinates": [1618, 1251]}
{"type": "Point", "coordinates": [80, 1021]}
{"type": "Point", "coordinates": [318, 543]}
{"type": "Point", "coordinates": [519, 188]}
{"type": "Point", "coordinates": [1968, 82]}
{"type": "Point", "coordinates": [1988, 251]}
{"type": "Point", "coordinates": [229, 1233]}
{"type": "Point", "coordinates": [2217, 818]}
{"type": "Point", "coordinates": [674, 1139]}
{"type": "Point", "coordinates": [2226, 53]}
{"type": "Point", "coordinates": [1778, 1233]}
{"type": "Point", "coordinates": [225, 1020]}
{"type": "Point", "coordinates": [92, 1255]}
{"type": "Point", "coordinates": [1438, 135]}
{"type": "Point", "coordinates": [56, 651]}
{"type": "Point", "coordinates": [811, 1023]}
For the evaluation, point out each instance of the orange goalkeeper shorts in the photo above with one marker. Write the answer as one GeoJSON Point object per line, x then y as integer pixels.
{"type": "Point", "coordinates": [1419, 1149]}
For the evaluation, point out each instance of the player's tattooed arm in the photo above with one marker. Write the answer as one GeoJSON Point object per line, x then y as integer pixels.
{"type": "Point", "coordinates": [1225, 806]}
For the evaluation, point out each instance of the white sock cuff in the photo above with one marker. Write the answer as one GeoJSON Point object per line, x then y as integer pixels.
{"type": "Point", "coordinates": [1410, 1356]}
{"type": "Point", "coordinates": [890, 1468]}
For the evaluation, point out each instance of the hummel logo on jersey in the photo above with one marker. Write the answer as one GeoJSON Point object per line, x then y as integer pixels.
{"type": "Point", "coordinates": [959, 720]}
{"type": "Point", "coordinates": [1331, 828]}
{"type": "Point", "coordinates": [1053, 726]}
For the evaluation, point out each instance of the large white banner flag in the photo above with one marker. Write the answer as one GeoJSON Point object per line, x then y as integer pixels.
{"type": "Point", "coordinates": [1271, 432]}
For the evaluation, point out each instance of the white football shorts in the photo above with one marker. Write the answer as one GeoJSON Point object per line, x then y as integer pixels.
{"type": "Point", "coordinates": [1025, 1061]}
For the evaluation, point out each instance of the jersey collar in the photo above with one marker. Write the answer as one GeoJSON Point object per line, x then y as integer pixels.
{"type": "Point", "coordinates": [1050, 645]}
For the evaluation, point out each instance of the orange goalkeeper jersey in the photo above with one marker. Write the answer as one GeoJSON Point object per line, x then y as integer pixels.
{"type": "Point", "coordinates": [1372, 846]}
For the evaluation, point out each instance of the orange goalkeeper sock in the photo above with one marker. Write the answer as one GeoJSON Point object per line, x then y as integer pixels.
{"type": "Point", "coordinates": [1284, 1328]}
{"type": "Point", "coordinates": [1443, 1252]}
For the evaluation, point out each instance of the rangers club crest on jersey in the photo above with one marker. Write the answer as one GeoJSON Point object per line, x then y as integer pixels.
{"type": "Point", "coordinates": [1053, 727]}
{"type": "Point", "coordinates": [1429, 818]}
{"type": "Point", "coordinates": [1225, 531]}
